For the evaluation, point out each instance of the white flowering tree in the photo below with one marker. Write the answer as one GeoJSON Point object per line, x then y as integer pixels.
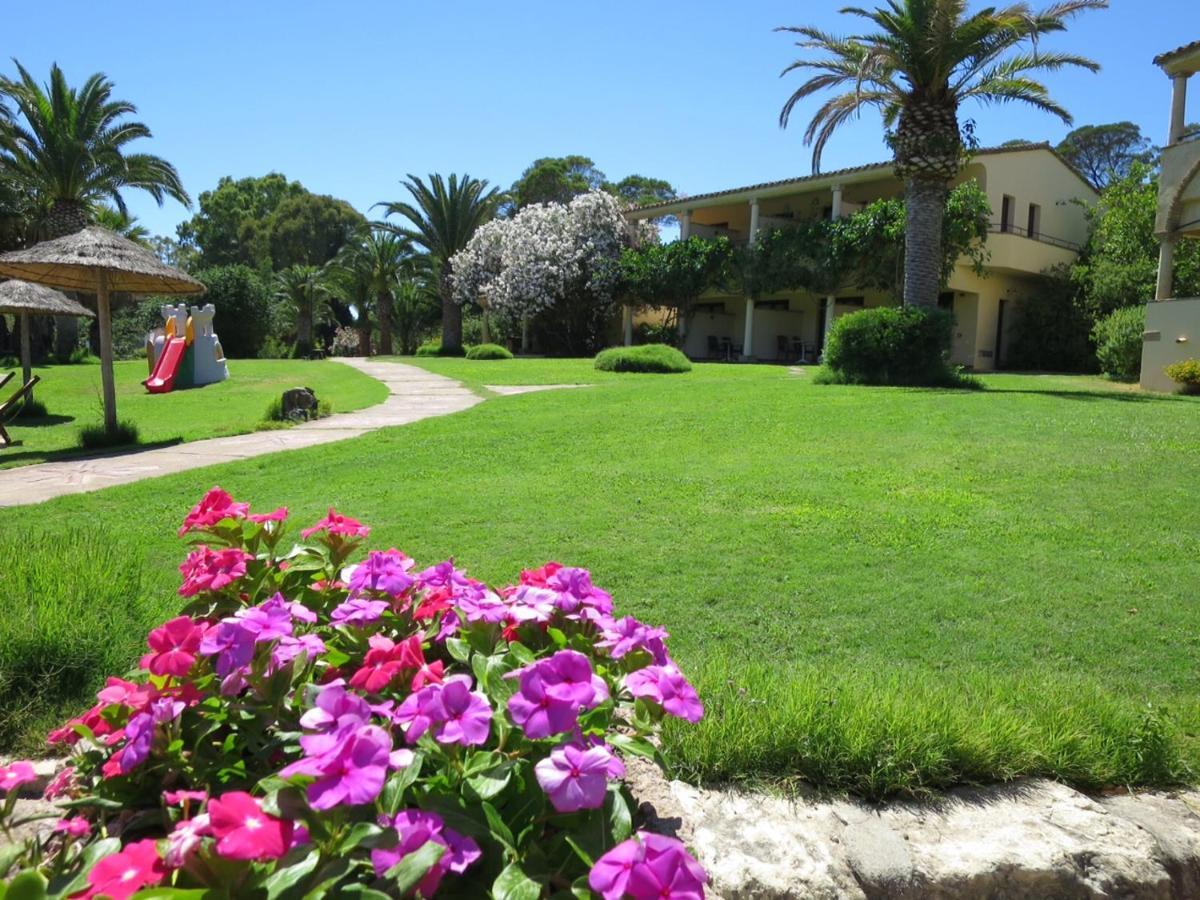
{"type": "Point", "coordinates": [553, 265]}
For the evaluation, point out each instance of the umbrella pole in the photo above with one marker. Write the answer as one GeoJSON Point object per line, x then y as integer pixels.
{"type": "Point", "coordinates": [106, 358]}
{"type": "Point", "coordinates": [26, 356]}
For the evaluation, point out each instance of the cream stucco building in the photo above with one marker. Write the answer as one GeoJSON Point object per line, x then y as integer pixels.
{"type": "Point", "coordinates": [1038, 221]}
{"type": "Point", "coordinates": [1173, 324]}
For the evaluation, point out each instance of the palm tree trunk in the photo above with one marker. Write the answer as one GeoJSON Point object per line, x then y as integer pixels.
{"type": "Point", "coordinates": [383, 305]}
{"type": "Point", "coordinates": [451, 317]}
{"type": "Point", "coordinates": [65, 217]}
{"type": "Point", "coordinates": [304, 330]}
{"type": "Point", "coordinates": [364, 340]}
{"type": "Point", "coordinates": [924, 208]}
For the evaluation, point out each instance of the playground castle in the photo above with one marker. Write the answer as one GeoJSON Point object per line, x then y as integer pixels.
{"type": "Point", "coordinates": [184, 352]}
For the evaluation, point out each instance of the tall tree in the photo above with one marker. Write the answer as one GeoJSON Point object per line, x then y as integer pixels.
{"type": "Point", "coordinates": [372, 265]}
{"type": "Point", "coordinates": [231, 225]}
{"type": "Point", "coordinates": [925, 58]}
{"type": "Point", "coordinates": [309, 229]}
{"type": "Point", "coordinates": [1104, 153]}
{"type": "Point", "coordinates": [443, 215]}
{"type": "Point", "coordinates": [555, 180]}
{"type": "Point", "coordinates": [71, 151]}
{"type": "Point", "coordinates": [305, 292]}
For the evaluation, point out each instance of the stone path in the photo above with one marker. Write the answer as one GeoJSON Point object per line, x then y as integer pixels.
{"type": "Point", "coordinates": [415, 394]}
{"type": "Point", "coordinates": [1030, 839]}
{"type": "Point", "coordinates": [508, 390]}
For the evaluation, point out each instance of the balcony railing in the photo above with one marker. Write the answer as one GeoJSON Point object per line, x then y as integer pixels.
{"type": "Point", "coordinates": [1040, 236]}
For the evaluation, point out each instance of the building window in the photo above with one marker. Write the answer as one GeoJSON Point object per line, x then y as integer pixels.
{"type": "Point", "coordinates": [1007, 206]}
{"type": "Point", "coordinates": [855, 302]}
{"type": "Point", "coordinates": [1034, 227]}
{"type": "Point", "coordinates": [946, 301]}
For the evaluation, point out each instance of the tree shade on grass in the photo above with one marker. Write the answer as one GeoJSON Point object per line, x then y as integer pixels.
{"type": "Point", "coordinates": [234, 406]}
{"type": "Point", "coordinates": [876, 588]}
{"type": "Point", "coordinates": [657, 358]}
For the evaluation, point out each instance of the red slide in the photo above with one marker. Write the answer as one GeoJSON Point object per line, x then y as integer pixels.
{"type": "Point", "coordinates": [162, 379]}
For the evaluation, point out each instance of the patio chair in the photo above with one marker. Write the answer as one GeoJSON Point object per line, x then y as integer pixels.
{"type": "Point", "coordinates": [783, 348]}
{"type": "Point", "coordinates": [8, 407]}
{"type": "Point", "coordinates": [714, 347]}
{"type": "Point", "coordinates": [7, 378]}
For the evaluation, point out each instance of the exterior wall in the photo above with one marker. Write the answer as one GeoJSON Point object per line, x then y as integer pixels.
{"type": "Point", "coordinates": [1034, 176]}
{"type": "Point", "coordinates": [1172, 335]}
{"type": "Point", "coordinates": [1179, 187]}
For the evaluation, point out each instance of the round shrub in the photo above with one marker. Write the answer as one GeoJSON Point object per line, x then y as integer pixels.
{"type": "Point", "coordinates": [489, 351]}
{"type": "Point", "coordinates": [1118, 338]}
{"type": "Point", "coordinates": [644, 358]}
{"type": "Point", "coordinates": [434, 348]}
{"type": "Point", "coordinates": [891, 345]}
{"type": "Point", "coordinates": [1186, 374]}
{"type": "Point", "coordinates": [319, 721]}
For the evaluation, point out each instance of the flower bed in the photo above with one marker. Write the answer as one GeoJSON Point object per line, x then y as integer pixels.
{"type": "Point", "coordinates": [311, 726]}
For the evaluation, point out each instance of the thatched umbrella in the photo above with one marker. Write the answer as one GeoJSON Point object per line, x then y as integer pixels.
{"type": "Point", "coordinates": [24, 299]}
{"type": "Point", "coordinates": [96, 260]}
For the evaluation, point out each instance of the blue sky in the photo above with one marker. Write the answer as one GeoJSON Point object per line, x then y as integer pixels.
{"type": "Point", "coordinates": [347, 97]}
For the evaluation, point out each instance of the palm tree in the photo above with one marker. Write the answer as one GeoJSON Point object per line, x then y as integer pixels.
{"type": "Point", "coordinates": [444, 215]}
{"type": "Point", "coordinates": [305, 292]}
{"type": "Point", "coordinates": [71, 151]}
{"type": "Point", "coordinates": [370, 268]}
{"type": "Point", "coordinates": [925, 58]}
{"type": "Point", "coordinates": [415, 301]}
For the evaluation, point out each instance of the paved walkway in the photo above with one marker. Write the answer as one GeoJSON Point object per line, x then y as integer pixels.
{"type": "Point", "coordinates": [415, 394]}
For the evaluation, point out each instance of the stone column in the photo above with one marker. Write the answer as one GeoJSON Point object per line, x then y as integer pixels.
{"type": "Point", "coordinates": [1164, 288]}
{"type": "Point", "coordinates": [748, 337]}
{"type": "Point", "coordinates": [753, 219]}
{"type": "Point", "coordinates": [685, 225]}
{"type": "Point", "coordinates": [835, 210]}
{"type": "Point", "coordinates": [1178, 107]}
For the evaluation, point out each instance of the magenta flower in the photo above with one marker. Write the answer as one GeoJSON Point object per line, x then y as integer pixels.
{"type": "Point", "coordinates": [244, 831]}
{"type": "Point", "coordinates": [384, 572]}
{"type": "Point", "coordinates": [61, 785]}
{"type": "Point", "coordinates": [139, 732]}
{"type": "Point", "coordinates": [336, 707]}
{"type": "Point", "coordinates": [352, 770]}
{"type": "Point", "coordinates": [289, 648]}
{"type": "Point", "coordinates": [416, 828]}
{"type": "Point", "coordinates": [16, 774]}
{"type": "Point", "coordinates": [576, 777]}
{"type": "Point", "coordinates": [277, 515]}
{"type": "Point", "coordinates": [123, 874]}
{"type": "Point", "coordinates": [209, 570]}
{"type": "Point", "coordinates": [185, 840]}
{"type": "Point", "coordinates": [456, 713]}
{"type": "Point", "coordinates": [627, 635]}
{"type": "Point", "coordinates": [213, 507]}
{"type": "Point", "coordinates": [75, 826]}
{"type": "Point", "coordinates": [574, 589]}
{"type": "Point", "coordinates": [336, 525]}
{"type": "Point", "coordinates": [232, 643]}
{"type": "Point", "coordinates": [268, 621]}
{"type": "Point", "coordinates": [667, 687]}
{"type": "Point", "coordinates": [174, 644]}
{"type": "Point", "coordinates": [648, 867]}
{"type": "Point", "coordinates": [179, 798]}
{"type": "Point", "coordinates": [358, 611]}
{"type": "Point", "coordinates": [553, 691]}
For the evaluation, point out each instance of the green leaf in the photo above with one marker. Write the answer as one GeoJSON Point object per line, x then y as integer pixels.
{"type": "Point", "coordinates": [287, 877]}
{"type": "Point", "coordinates": [480, 761]}
{"type": "Point", "coordinates": [619, 818]}
{"type": "Point", "coordinates": [8, 856]}
{"type": "Point", "coordinates": [406, 873]}
{"type": "Point", "coordinates": [514, 884]}
{"type": "Point", "coordinates": [362, 831]}
{"type": "Point", "coordinates": [172, 893]}
{"type": "Point", "coordinates": [579, 851]}
{"type": "Point", "coordinates": [557, 636]}
{"type": "Point", "coordinates": [393, 791]}
{"type": "Point", "coordinates": [487, 785]}
{"type": "Point", "coordinates": [27, 886]}
{"type": "Point", "coordinates": [499, 830]}
{"type": "Point", "coordinates": [522, 654]}
{"type": "Point", "coordinates": [458, 649]}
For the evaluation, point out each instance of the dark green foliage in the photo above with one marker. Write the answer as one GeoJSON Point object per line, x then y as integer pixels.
{"type": "Point", "coordinates": [242, 298]}
{"type": "Point", "coordinates": [1103, 153]}
{"type": "Point", "coordinates": [435, 348]}
{"type": "Point", "coordinates": [1118, 338]}
{"type": "Point", "coordinates": [131, 322]}
{"type": "Point", "coordinates": [658, 358]}
{"type": "Point", "coordinates": [95, 437]}
{"type": "Point", "coordinates": [309, 229]}
{"type": "Point", "coordinates": [488, 351]}
{"type": "Point", "coordinates": [1186, 374]}
{"type": "Point", "coordinates": [559, 179]}
{"type": "Point", "coordinates": [891, 345]}
{"type": "Point", "coordinates": [1051, 329]}
{"type": "Point", "coordinates": [82, 610]}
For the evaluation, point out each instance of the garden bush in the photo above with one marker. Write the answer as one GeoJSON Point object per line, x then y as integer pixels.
{"type": "Point", "coordinates": [1118, 339]}
{"type": "Point", "coordinates": [643, 358]}
{"type": "Point", "coordinates": [434, 348]}
{"type": "Point", "coordinates": [1186, 374]}
{"type": "Point", "coordinates": [488, 351]}
{"type": "Point", "coordinates": [97, 437]}
{"type": "Point", "coordinates": [313, 726]}
{"type": "Point", "coordinates": [891, 345]}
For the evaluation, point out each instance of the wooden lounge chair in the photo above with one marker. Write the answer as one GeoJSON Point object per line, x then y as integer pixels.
{"type": "Point", "coordinates": [8, 407]}
{"type": "Point", "coordinates": [8, 376]}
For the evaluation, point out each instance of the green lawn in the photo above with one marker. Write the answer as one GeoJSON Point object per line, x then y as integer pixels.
{"type": "Point", "coordinates": [72, 398]}
{"type": "Point", "coordinates": [877, 589]}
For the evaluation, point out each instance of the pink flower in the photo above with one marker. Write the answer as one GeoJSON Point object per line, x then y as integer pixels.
{"type": "Point", "coordinates": [174, 644]}
{"type": "Point", "coordinates": [185, 840]}
{"type": "Point", "coordinates": [627, 635]}
{"type": "Point", "coordinates": [209, 570]}
{"type": "Point", "coordinates": [351, 771]}
{"type": "Point", "coordinates": [384, 572]}
{"type": "Point", "coordinates": [123, 875]}
{"type": "Point", "coordinates": [648, 867]}
{"type": "Point", "coordinates": [552, 693]}
{"type": "Point", "coordinates": [244, 831]}
{"type": "Point", "coordinates": [416, 828]}
{"type": "Point", "coordinates": [179, 798]}
{"type": "Point", "coordinates": [337, 525]}
{"type": "Point", "coordinates": [61, 785]}
{"type": "Point", "coordinates": [666, 686]}
{"type": "Point", "coordinates": [386, 661]}
{"type": "Point", "coordinates": [358, 611]}
{"type": "Point", "coordinates": [277, 515]}
{"type": "Point", "coordinates": [75, 827]}
{"type": "Point", "coordinates": [457, 714]}
{"type": "Point", "coordinates": [576, 777]}
{"type": "Point", "coordinates": [215, 506]}
{"type": "Point", "coordinates": [16, 774]}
